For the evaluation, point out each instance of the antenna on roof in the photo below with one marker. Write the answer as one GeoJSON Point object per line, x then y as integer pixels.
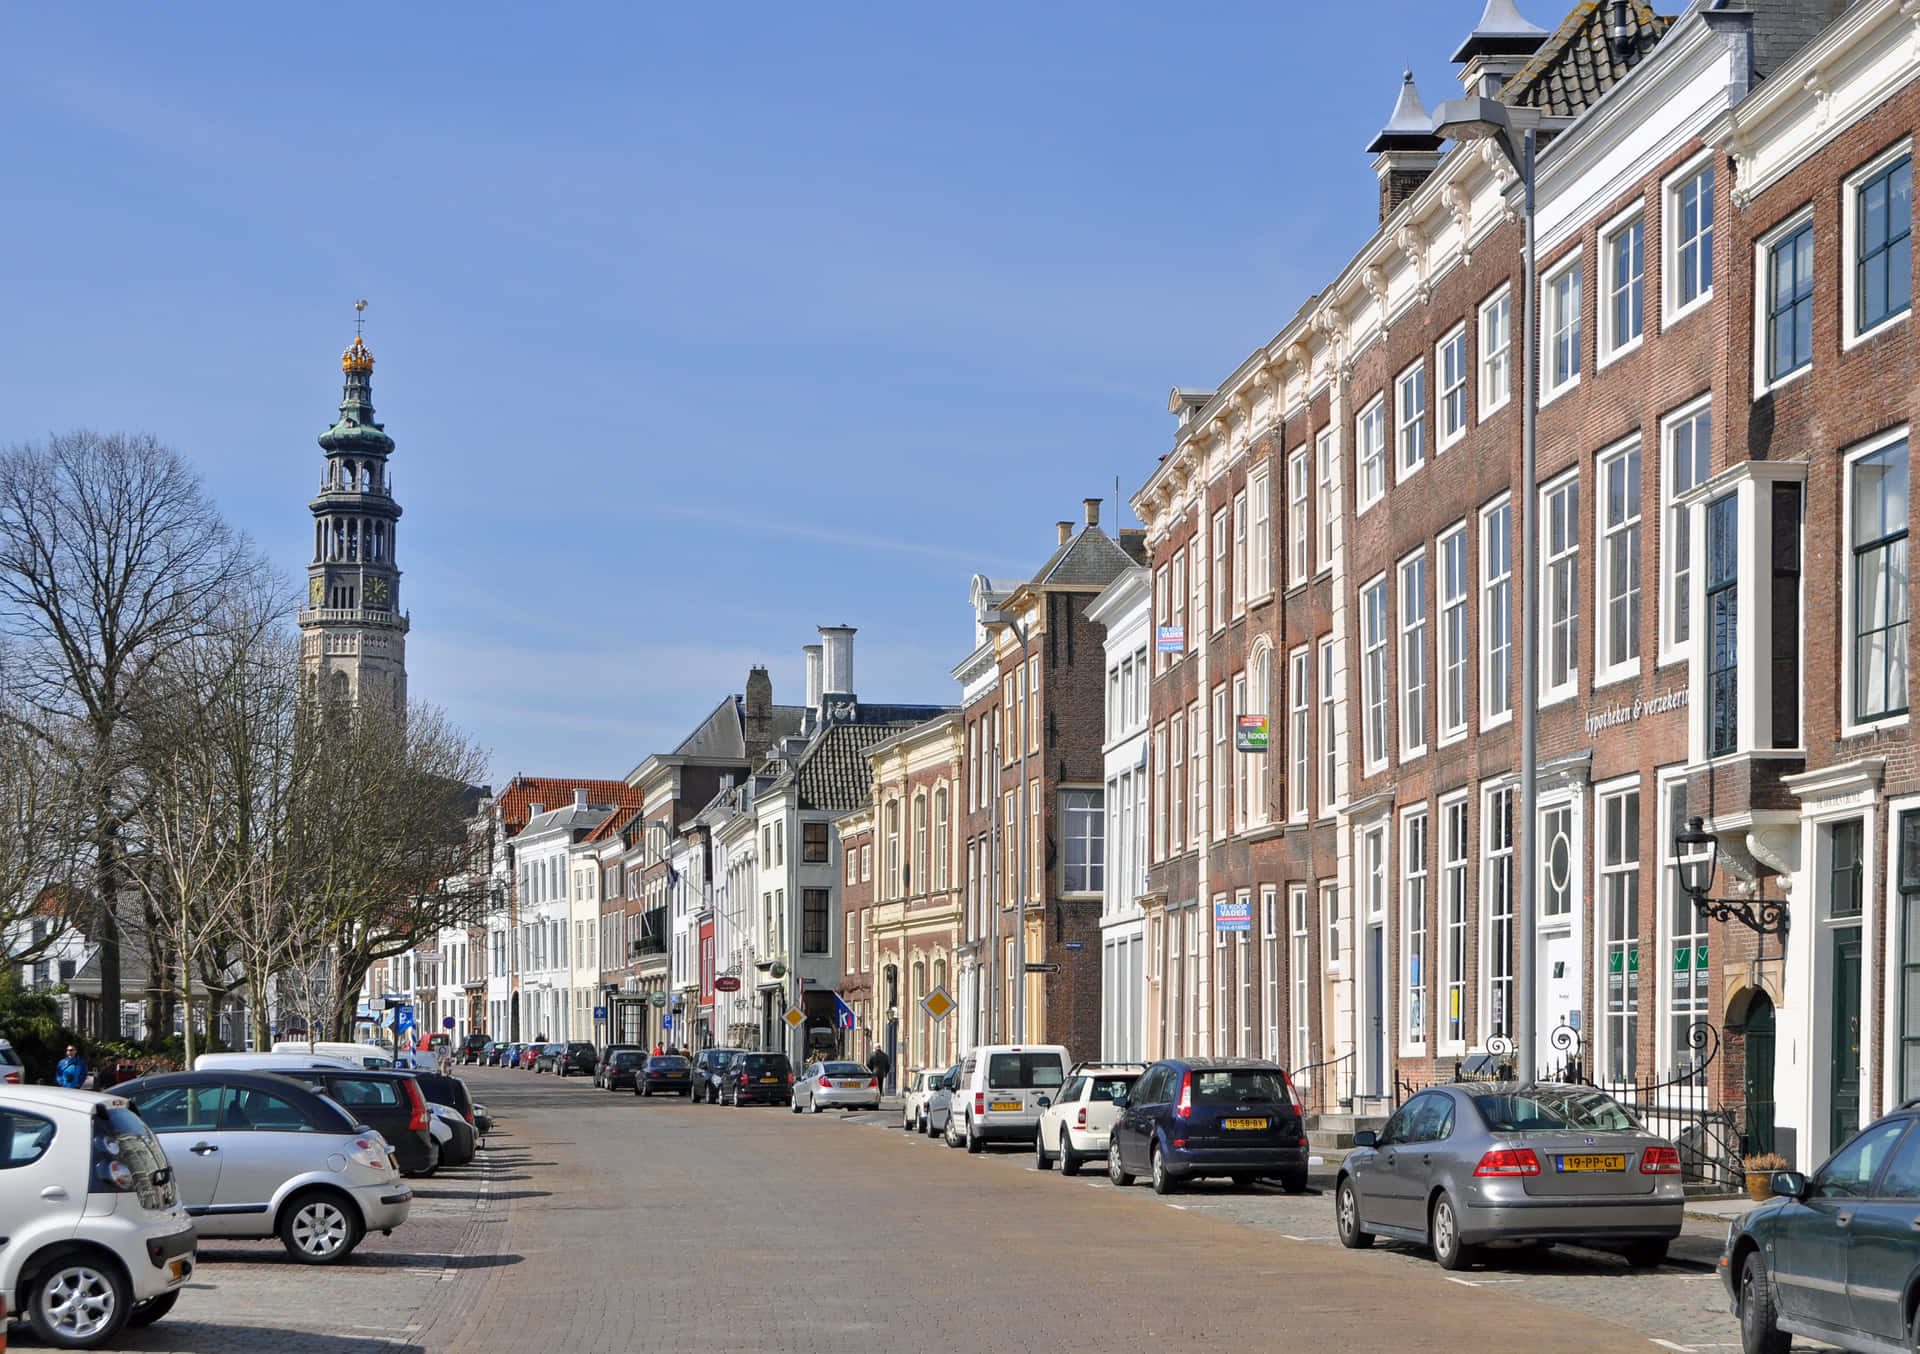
{"type": "Point", "coordinates": [359, 316]}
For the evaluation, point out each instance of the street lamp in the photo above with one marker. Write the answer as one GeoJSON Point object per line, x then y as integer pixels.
{"type": "Point", "coordinates": [1477, 118]}
{"type": "Point", "coordinates": [1697, 856]}
{"type": "Point", "coordinates": [1000, 616]}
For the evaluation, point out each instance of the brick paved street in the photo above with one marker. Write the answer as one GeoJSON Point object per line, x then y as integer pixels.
{"type": "Point", "coordinates": [602, 1224]}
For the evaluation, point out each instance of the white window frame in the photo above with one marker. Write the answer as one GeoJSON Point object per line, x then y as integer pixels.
{"type": "Point", "coordinates": [1763, 248]}
{"type": "Point", "coordinates": [1454, 928]}
{"type": "Point", "coordinates": [1447, 385]}
{"type": "Point", "coordinates": [1300, 734]}
{"type": "Point", "coordinates": [1670, 900]}
{"type": "Point", "coordinates": [1326, 495]}
{"type": "Point", "coordinates": [1243, 780]}
{"type": "Point", "coordinates": [1260, 693]}
{"type": "Point", "coordinates": [1412, 577]}
{"type": "Point", "coordinates": [1239, 547]}
{"type": "Point", "coordinates": [1549, 692]}
{"type": "Point", "coordinates": [1299, 523]}
{"type": "Point", "coordinates": [1496, 358]}
{"type": "Point", "coordinates": [1632, 979]}
{"type": "Point", "coordinates": [1673, 556]}
{"type": "Point", "coordinates": [1272, 996]}
{"type": "Point", "coordinates": [1260, 557]}
{"type": "Point", "coordinates": [1376, 678]}
{"type": "Point", "coordinates": [1300, 997]}
{"type": "Point", "coordinates": [1551, 327]}
{"type": "Point", "coordinates": [1608, 666]}
{"type": "Point", "coordinates": [1850, 724]}
{"type": "Point", "coordinates": [1370, 454]}
{"type": "Point", "coordinates": [1453, 669]}
{"type": "Point", "coordinates": [1410, 420]}
{"type": "Point", "coordinates": [1489, 583]}
{"type": "Point", "coordinates": [1850, 249]}
{"type": "Point", "coordinates": [1220, 821]}
{"type": "Point", "coordinates": [1416, 944]}
{"type": "Point", "coordinates": [1329, 730]}
{"type": "Point", "coordinates": [1612, 235]}
{"type": "Point", "coordinates": [1672, 308]}
{"type": "Point", "coordinates": [1489, 863]}
{"type": "Point", "coordinates": [1221, 566]}
{"type": "Point", "coordinates": [1334, 927]}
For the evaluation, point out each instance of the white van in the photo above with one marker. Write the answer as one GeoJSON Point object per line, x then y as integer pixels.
{"type": "Point", "coordinates": [266, 1062]}
{"type": "Point", "coordinates": [360, 1055]}
{"type": "Point", "coordinates": [1003, 1088]}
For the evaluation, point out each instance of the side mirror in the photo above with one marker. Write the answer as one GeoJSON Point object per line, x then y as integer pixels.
{"type": "Point", "coordinates": [1789, 1184]}
{"type": "Point", "coordinates": [1366, 1137]}
{"type": "Point", "coordinates": [1045, 1101]}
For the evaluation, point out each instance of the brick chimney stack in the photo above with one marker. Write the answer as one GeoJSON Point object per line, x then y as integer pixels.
{"type": "Point", "coordinates": [756, 714]}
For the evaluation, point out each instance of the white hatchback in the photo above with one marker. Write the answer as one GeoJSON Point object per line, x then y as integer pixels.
{"type": "Point", "coordinates": [1075, 1127]}
{"type": "Point", "coordinates": [97, 1238]}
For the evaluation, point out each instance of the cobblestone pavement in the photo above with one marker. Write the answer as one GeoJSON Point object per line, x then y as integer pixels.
{"type": "Point", "coordinates": [606, 1224]}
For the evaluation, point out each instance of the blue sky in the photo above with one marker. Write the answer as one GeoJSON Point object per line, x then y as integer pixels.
{"type": "Point", "coordinates": [696, 328]}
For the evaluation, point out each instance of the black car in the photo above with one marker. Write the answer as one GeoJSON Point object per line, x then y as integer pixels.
{"type": "Point", "coordinates": [664, 1074]}
{"type": "Point", "coordinates": [618, 1068]}
{"type": "Point", "coordinates": [1192, 1117]}
{"type": "Point", "coordinates": [471, 1048]}
{"type": "Point", "coordinates": [759, 1079]}
{"type": "Point", "coordinates": [546, 1057]}
{"type": "Point", "coordinates": [709, 1070]}
{"type": "Point", "coordinates": [451, 1092]}
{"type": "Point", "coordinates": [574, 1059]}
{"type": "Point", "coordinates": [606, 1055]}
{"type": "Point", "coordinates": [391, 1103]}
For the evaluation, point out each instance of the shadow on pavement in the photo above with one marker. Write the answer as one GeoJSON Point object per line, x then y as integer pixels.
{"type": "Point", "coordinates": [505, 1194]}
{"type": "Point", "coordinates": [430, 1260]}
{"type": "Point", "coordinates": [207, 1337]}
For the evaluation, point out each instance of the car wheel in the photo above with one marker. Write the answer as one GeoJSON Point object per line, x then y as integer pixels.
{"type": "Point", "coordinates": [1069, 1159]}
{"type": "Point", "coordinates": [150, 1311]}
{"type": "Point", "coordinates": [1346, 1218]}
{"type": "Point", "coordinates": [974, 1142]}
{"type": "Point", "coordinates": [925, 1128]}
{"type": "Point", "coordinates": [319, 1229]}
{"type": "Point", "coordinates": [813, 1105]}
{"type": "Point", "coordinates": [951, 1138]}
{"type": "Point", "coordinates": [1646, 1254]}
{"type": "Point", "coordinates": [1443, 1233]}
{"type": "Point", "coordinates": [1294, 1183]}
{"type": "Point", "coordinates": [78, 1302]}
{"type": "Point", "coordinates": [1041, 1161]}
{"type": "Point", "coordinates": [1115, 1172]}
{"type": "Point", "coordinates": [1163, 1181]}
{"type": "Point", "coordinates": [1760, 1332]}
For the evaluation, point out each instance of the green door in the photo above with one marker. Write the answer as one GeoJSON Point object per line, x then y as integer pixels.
{"type": "Point", "coordinates": [1759, 1074]}
{"type": "Point", "coordinates": [1846, 1035]}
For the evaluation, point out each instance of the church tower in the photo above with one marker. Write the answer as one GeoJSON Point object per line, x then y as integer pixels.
{"type": "Point", "coordinates": [353, 637]}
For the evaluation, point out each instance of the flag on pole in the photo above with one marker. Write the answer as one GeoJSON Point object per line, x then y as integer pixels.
{"type": "Point", "coordinates": [842, 1013]}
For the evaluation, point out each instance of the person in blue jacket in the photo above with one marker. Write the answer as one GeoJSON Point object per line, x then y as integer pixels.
{"type": "Point", "coordinates": [72, 1072]}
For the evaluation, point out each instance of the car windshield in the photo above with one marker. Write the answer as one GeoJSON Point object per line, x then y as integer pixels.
{"type": "Point", "coordinates": [1014, 1071]}
{"type": "Point", "coordinates": [843, 1070]}
{"type": "Point", "coordinates": [1543, 1109]}
{"type": "Point", "coordinates": [1111, 1088]}
{"type": "Point", "coordinates": [666, 1064]}
{"type": "Point", "coordinates": [1238, 1086]}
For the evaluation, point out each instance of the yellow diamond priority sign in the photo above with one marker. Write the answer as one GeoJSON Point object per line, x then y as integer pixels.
{"type": "Point", "coordinates": [794, 1017]}
{"type": "Point", "coordinates": [937, 1003]}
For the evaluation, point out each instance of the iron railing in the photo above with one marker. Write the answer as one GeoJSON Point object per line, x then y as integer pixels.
{"type": "Point", "coordinates": [1319, 1094]}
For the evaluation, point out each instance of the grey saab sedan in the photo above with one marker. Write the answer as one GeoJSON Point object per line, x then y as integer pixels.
{"type": "Point", "coordinates": [1459, 1166]}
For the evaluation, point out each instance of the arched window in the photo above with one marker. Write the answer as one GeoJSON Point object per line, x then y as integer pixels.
{"type": "Point", "coordinates": [918, 875]}
{"type": "Point", "coordinates": [942, 849]}
{"type": "Point", "coordinates": [892, 863]}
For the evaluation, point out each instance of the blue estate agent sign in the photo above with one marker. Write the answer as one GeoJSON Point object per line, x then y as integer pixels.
{"type": "Point", "coordinates": [1170, 638]}
{"type": "Point", "coordinates": [1233, 916]}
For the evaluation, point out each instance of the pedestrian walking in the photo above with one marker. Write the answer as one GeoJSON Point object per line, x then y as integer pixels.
{"type": "Point", "coordinates": [879, 1064]}
{"type": "Point", "coordinates": [72, 1071]}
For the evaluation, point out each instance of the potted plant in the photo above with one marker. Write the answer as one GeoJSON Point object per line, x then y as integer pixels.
{"type": "Point", "coordinates": [1760, 1171]}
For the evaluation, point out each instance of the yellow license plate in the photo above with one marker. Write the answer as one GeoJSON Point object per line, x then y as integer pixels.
{"type": "Point", "coordinates": [767, 1081]}
{"type": "Point", "coordinates": [1005, 1106]}
{"type": "Point", "coordinates": [849, 1085]}
{"type": "Point", "coordinates": [1609, 1162]}
{"type": "Point", "coordinates": [1243, 1123]}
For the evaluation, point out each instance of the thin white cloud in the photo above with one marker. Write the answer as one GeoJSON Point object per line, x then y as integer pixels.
{"type": "Point", "coordinates": [857, 540]}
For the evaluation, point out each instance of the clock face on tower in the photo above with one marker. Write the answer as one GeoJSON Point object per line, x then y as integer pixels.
{"type": "Point", "coordinates": [316, 589]}
{"type": "Point", "coordinates": [378, 592]}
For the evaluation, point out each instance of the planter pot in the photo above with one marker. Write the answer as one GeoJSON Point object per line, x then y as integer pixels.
{"type": "Point", "coordinates": [1759, 1185]}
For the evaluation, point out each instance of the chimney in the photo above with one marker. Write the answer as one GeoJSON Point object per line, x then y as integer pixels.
{"type": "Point", "coordinates": [756, 717]}
{"type": "Point", "coordinates": [813, 651]}
{"type": "Point", "coordinates": [1066, 531]}
{"type": "Point", "coordinates": [1092, 506]}
{"type": "Point", "coordinates": [579, 799]}
{"type": "Point", "coordinates": [1406, 151]}
{"type": "Point", "coordinates": [837, 676]}
{"type": "Point", "coordinates": [1133, 540]}
{"type": "Point", "coordinates": [1497, 49]}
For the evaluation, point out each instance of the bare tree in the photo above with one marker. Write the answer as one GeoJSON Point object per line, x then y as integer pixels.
{"type": "Point", "coordinates": [111, 556]}
{"type": "Point", "coordinates": [39, 836]}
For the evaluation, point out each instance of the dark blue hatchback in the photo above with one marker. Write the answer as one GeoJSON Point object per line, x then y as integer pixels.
{"type": "Point", "coordinates": [1192, 1117]}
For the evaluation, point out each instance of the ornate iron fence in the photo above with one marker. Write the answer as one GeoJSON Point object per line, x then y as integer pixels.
{"type": "Point", "coordinates": [1323, 1085]}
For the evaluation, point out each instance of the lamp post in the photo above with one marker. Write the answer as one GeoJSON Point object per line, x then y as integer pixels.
{"type": "Point", "coordinates": [1697, 857]}
{"type": "Point", "coordinates": [1018, 1034]}
{"type": "Point", "coordinates": [1478, 118]}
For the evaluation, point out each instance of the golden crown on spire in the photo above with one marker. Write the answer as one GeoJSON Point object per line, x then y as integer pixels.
{"type": "Point", "coordinates": [356, 358]}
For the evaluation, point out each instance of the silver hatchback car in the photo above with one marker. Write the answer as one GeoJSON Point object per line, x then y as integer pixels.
{"type": "Point", "coordinates": [836, 1085]}
{"type": "Point", "coordinates": [1458, 1166]}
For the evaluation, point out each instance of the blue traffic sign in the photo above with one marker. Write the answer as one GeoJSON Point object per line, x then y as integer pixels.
{"type": "Point", "coordinates": [403, 1019]}
{"type": "Point", "coordinates": [666, 1022]}
{"type": "Point", "coordinates": [599, 1013]}
{"type": "Point", "coordinates": [446, 1022]}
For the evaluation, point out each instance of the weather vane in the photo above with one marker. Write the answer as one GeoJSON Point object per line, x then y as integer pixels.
{"type": "Point", "coordinates": [359, 316]}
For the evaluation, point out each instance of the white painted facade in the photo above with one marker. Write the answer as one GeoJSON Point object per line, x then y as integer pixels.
{"type": "Point", "coordinates": [1125, 609]}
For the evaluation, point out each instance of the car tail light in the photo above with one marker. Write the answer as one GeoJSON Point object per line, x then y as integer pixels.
{"type": "Point", "coordinates": [1080, 1119]}
{"type": "Point", "coordinates": [743, 1078]}
{"type": "Point", "coordinates": [419, 1120]}
{"type": "Point", "coordinates": [1184, 1110]}
{"type": "Point", "coordinates": [366, 1152]}
{"type": "Point", "coordinates": [979, 1102]}
{"type": "Point", "coordinates": [1299, 1107]}
{"type": "Point", "coordinates": [1509, 1161]}
{"type": "Point", "coordinates": [12, 1078]}
{"type": "Point", "coordinates": [1660, 1161]}
{"type": "Point", "coordinates": [825, 1080]}
{"type": "Point", "coordinates": [873, 1081]}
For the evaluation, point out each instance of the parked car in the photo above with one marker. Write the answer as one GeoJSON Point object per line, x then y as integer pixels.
{"type": "Point", "coordinates": [835, 1085]}
{"type": "Point", "coordinates": [12, 1071]}
{"type": "Point", "coordinates": [265, 1062]}
{"type": "Point", "coordinates": [939, 1107]}
{"type": "Point", "coordinates": [510, 1056]}
{"type": "Point", "coordinates": [575, 1059]}
{"type": "Point", "coordinates": [606, 1054]}
{"type": "Point", "coordinates": [490, 1055]}
{"type": "Point", "coordinates": [390, 1103]}
{"type": "Point", "coordinates": [664, 1074]}
{"type": "Point", "coordinates": [1834, 1256]}
{"type": "Point", "coordinates": [759, 1079]}
{"type": "Point", "coordinates": [471, 1048]}
{"type": "Point", "coordinates": [618, 1068]}
{"type": "Point", "coordinates": [374, 1056]}
{"type": "Point", "coordinates": [257, 1154]}
{"type": "Point", "coordinates": [1192, 1117]}
{"type": "Point", "coordinates": [1000, 1092]}
{"type": "Point", "coordinates": [98, 1238]}
{"type": "Point", "coordinates": [918, 1086]}
{"type": "Point", "coordinates": [710, 1070]}
{"type": "Point", "coordinates": [456, 1139]}
{"type": "Point", "coordinates": [529, 1054]}
{"type": "Point", "coordinates": [1457, 1166]}
{"type": "Point", "coordinates": [449, 1095]}
{"type": "Point", "coordinates": [1074, 1128]}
